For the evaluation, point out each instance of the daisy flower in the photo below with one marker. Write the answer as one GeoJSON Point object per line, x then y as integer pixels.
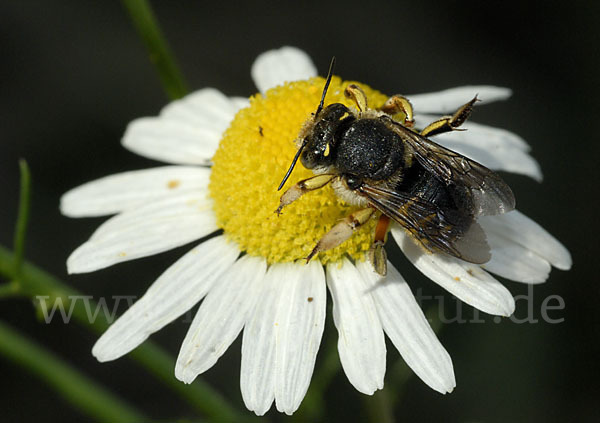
{"type": "Point", "coordinates": [227, 157]}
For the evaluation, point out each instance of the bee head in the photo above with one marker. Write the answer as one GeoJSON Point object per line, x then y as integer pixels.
{"type": "Point", "coordinates": [319, 142]}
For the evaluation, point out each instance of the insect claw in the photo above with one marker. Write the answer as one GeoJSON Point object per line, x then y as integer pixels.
{"type": "Point", "coordinates": [312, 253]}
{"type": "Point", "coordinates": [378, 258]}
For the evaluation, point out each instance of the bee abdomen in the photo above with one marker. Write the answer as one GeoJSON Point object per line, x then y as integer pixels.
{"type": "Point", "coordinates": [453, 205]}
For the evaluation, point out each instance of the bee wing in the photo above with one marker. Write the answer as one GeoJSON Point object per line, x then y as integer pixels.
{"type": "Point", "coordinates": [489, 192]}
{"type": "Point", "coordinates": [436, 229]}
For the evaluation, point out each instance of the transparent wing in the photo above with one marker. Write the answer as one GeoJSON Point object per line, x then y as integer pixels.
{"type": "Point", "coordinates": [489, 192]}
{"type": "Point", "coordinates": [437, 230]}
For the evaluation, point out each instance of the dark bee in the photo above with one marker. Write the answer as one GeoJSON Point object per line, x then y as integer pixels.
{"type": "Point", "coordinates": [384, 165]}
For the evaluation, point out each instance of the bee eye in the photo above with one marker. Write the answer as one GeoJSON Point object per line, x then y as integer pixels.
{"type": "Point", "coordinates": [353, 182]}
{"type": "Point", "coordinates": [309, 158]}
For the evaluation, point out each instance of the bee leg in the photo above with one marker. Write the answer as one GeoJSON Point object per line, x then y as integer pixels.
{"type": "Point", "coordinates": [342, 231]}
{"type": "Point", "coordinates": [356, 93]}
{"type": "Point", "coordinates": [376, 254]}
{"type": "Point", "coordinates": [303, 187]}
{"type": "Point", "coordinates": [451, 123]}
{"type": "Point", "coordinates": [399, 104]}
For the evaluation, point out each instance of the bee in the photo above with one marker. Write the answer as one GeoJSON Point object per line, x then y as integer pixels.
{"type": "Point", "coordinates": [397, 173]}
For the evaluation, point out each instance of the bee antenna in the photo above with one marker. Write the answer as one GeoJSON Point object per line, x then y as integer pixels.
{"type": "Point", "coordinates": [329, 75]}
{"type": "Point", "coordinates": [289, 172]}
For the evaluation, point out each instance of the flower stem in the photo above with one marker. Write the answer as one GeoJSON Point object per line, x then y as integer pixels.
{"type": "Point", "coordinates": [201, 395]}
{"type": "Point", "coordinates": [22, 218]}
{"type": "Point", "coordinates": [379, 407]}
{"type": "Point", "coordinates": [400, 374]}
{"type": "Point", "coordinates": [159, 52]}
{"type": "Point", "coordinates": [37, 282]}
{"type": "Point", "coordinates": [89, 397]}
{"type": "Point", "coordinates": [313, 405]}
{"type": "Point", "coordinates": [9, 289]}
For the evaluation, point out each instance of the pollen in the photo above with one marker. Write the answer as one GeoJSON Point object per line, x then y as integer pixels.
{"type": "Point", "coordinates": [173, 184]}
{"type": "Point", "coordinates": [252, 158]}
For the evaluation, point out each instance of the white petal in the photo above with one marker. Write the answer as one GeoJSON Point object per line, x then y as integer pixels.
{"type": "Point", "coordinates": [520, 229]}
{"type": "Point", "coordinates": [513, 261]}
{"type": "Point", "coordinates": [405, 324]}
{"type": "Point", "coordinates": [257, 376]}
{"type": "Point", "coordinates": [274, 67]}
{"type": "Point", "coordinates": [153, 228]}
{"type": "Point", "coordinates": [204, 109]}
{"type": "Point", "coordinates": [171, 142]}
{"type": "Point", "coordinates": [187, 131]}
{"type": "Point", "coordinates": [361, 344]}
{"type": "Point", "coordinates": [495, 148]}
{"type": "Point", "coordinates": [282, 337]}
{"type": "Point", "coordinates": [448, 101]}
{"type": "Point", "coordinates": [127, 190]}
{"type": "Point", "coordinates": [500, 159]}
{"type": "Point", "coordinates": [300, 321]}
{"type": "Point", "coordinates": [220, 318]}
{"type": "Point", "coordinates": [177, 290]}
{"type": "Point", "coordinates": [468, 282]}
{"type": "Point", "coordinates": [240, 102]}
{"type": "Point", "coordinates": [476, 134]}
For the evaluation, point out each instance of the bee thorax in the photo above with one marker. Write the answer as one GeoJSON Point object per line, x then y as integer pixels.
{"type": "Point", "coordinates": [368, 148]}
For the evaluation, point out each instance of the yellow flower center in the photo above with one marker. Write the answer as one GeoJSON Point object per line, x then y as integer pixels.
{"type": "Point", "coordinates": [251, 160]}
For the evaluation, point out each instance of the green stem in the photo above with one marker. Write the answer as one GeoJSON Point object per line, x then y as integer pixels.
{"type": "Point", "coordinates": [89, 397]}
{"type": "Point", "coordinates": [400, 374]}
{"type": "Point", "coordinates": [37, 282]}
{"type": "Point", "coordinates": [379, 406]}
{"type": "Point", "coordinates": [159, 52]}
{"type": "Point", "coordinates": [10, 289]}
{"type": "Point", "coordinates": [22, 217]}
{"type": "Point", "coordinates": [313, 405]}
{"type": "Point", "coordinates": [199, 394]}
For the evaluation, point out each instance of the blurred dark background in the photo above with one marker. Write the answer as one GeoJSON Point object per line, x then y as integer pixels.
{"type": "Point", "coordinates": [74, 73]}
